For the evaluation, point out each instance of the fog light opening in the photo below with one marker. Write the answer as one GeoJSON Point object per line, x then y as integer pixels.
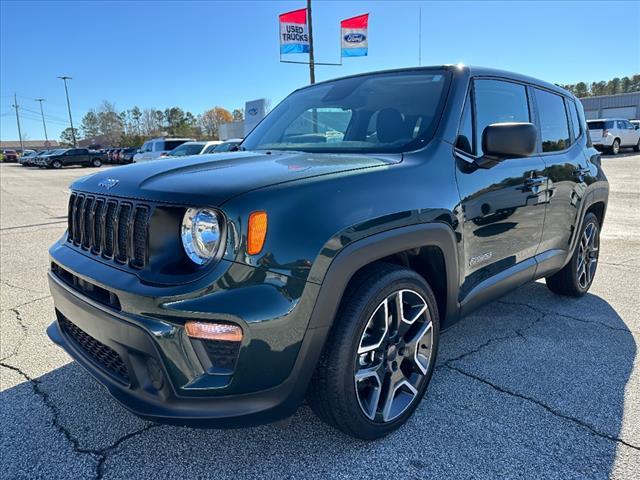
{"type": "Point", "coordinates": [213, 331]}
{"type": "Point", "coordinates": [155, 373]}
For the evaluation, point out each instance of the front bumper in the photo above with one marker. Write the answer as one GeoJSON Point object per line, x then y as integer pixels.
{"type": "Point", "coordinates": [164, 381]}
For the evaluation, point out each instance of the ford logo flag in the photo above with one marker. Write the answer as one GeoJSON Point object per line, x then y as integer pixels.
{"type": "Point", "coordinates": [355, 37]}
{"type": "Point", "coordinates": [354, 42]}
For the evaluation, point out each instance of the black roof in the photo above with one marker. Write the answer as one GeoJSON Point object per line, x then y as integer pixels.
{"type": "Point", "coordinates": [464, 69]}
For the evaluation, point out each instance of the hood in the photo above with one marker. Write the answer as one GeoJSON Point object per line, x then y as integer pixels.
{"type": "Point", "coordinates": [214, 179]}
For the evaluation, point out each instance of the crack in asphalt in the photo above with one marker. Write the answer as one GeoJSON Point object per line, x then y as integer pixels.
{"type": "Point", "coordinates": [18, 287]}
{"type": "Point", "coordinates": [32, 225]}
{"type": "Point", "coordinates": [26, 303]}
{"type": "Point", "coordinates": [23, 335]}
{"type": "Point", "coordinates": [570, 317]}
{"type": "Point", "coordinates": [519, 333]}
{"type": "Point", "coordinates": [591, 429]}
{"type": "Point", "coordinates": [101, 454]}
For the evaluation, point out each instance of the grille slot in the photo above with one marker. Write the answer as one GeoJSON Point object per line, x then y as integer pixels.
{"type": "Point", "coordinates": [100, 353]}
{"type": "Point", "coordinates": [115, 229]}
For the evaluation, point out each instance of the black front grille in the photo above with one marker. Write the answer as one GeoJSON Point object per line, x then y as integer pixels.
{"type": "Point", "coordinates": [112, 228]}
{"type": "Point", "coordinates": [103, 355]}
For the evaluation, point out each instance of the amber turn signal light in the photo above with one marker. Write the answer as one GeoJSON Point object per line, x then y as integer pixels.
{"type": "Point", "coordinates": [213, 331]}
{"type": "Point", "coordinates": [257, 232]}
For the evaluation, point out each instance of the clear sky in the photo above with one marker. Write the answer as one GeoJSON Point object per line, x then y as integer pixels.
{"type": "Point", "coordinates": [196, 55]}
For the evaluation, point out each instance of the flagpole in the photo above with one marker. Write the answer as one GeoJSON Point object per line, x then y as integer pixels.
{"type": "Point", "coordinates": [420, 37]}
{"type": "Point", "coordinates": [312, 72]}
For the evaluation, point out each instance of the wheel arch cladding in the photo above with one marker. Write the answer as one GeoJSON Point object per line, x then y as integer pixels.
{"type": "Point", "coordinates": [433, 246]}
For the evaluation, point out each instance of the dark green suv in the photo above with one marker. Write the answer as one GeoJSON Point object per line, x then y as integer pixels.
{"type": "Point", "coordinates": [358, 220]}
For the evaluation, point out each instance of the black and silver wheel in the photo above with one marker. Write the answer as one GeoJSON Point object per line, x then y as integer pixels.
{"type": "Point", "coordinates": [380, 355]}
{"type": "Point", "coordinates": [56, 164]}
{"type": "Point", "coordinates": [96, 162]}
{"type": "Point", "coordinates": [615, 147]}
{"type": "Point", "coordinates": [576, 277]}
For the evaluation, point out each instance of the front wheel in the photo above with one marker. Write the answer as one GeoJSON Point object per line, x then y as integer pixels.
{"type": "Point", "coordinates": [56, 164]}
{"type": "Point", "coordinates": [577, 276]}
{"type": "Point", "coordinates": [380, 354]}
{"type": "Point", "coordinates": [637, 146]}
{"type": "Point", "coordinates": [96, 162]}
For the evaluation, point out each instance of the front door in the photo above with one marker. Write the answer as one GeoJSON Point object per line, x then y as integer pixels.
{"type": "Point", "coordinates": [503, 206]}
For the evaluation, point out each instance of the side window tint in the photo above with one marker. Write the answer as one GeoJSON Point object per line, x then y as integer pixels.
{"type": "Point", "coordinates": [575, 119]}
{"type": "Point", "coordinates": [554, 128]}
{"type": "Point", "coordinates": [464, 142]}
{"type": "Point", "coordinates": [498, 102]}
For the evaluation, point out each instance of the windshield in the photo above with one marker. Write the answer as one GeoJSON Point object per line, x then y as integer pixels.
{"type": "Point", "coordinates": [225, 147]}
{"type": "Point", "coordinates": [186, 149]}
{"type": "Point", "coordinates": [385, 112]}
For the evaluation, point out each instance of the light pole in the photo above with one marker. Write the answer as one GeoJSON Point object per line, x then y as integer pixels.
{"type": "Point", "coordinates": [46, 138]}
{"type": "Point", "coordinates": [66, 90]}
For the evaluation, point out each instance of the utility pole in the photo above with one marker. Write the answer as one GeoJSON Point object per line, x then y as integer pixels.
{"type": "Point", "coordinates": [312, 72]}
{"type": "Point", "coordinates": [46, 138]}
{"type": "Point", "coordinates": [66, 90]}
{"type": "Point", "coordinates": [16, 106]}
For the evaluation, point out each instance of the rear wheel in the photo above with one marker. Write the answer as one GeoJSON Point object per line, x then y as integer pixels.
{"type": "Point", "coordinates": [637, 147]}
{"type": "Point", "coordinates": [615, 147]}
{"type": "Point", "coordinates": [576, 277]}
{"type": "Point", "coordinates": [56, 164]}
{"type": "Point", "coordinates": [380, 354]}
{"type": "Point", "coordinates": [96, 162]}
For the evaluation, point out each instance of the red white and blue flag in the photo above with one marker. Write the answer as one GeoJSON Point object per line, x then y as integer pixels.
{"type": "Point", "coordinates": [354, 41]}
{"type": "Point", "coordinates": [294, 35]}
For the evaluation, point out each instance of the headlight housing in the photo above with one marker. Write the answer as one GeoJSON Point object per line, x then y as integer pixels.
{"type": "Point", "coordinates": [201, 234]}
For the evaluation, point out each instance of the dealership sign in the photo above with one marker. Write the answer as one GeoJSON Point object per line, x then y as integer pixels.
{"type": "Point", "coordinates": [353, 35]}
{"type": "Point", "coordinates": [294, 35]}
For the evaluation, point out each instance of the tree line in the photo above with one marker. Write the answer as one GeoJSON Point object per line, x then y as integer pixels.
{"type": "Point", "coordinates": [132, 127]}
{"type": "Point", "coordinates": [611, 87]}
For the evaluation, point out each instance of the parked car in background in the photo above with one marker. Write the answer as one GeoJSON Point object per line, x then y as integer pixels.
{"type": "Point", "coordinates": [116, 155]}
{"type": "Point", "coordinates": [612, 134]}
{"type": "Point", "coordinates": [10, 156]}
{"type": "Point", "coordinates": [72, 156]}
{"type": "Point", "coordinates": [226, 146]}
{"type": "Point", "coordinates": [154, 148]}
{"type": "Point", "coordinates": [127, 154]}
{"type": "Point", "coordinates": [192, 148]}
{"type": "Point", "coordinates": [27, 158]}
{"type": "Point", "coordinates": [635, 123]}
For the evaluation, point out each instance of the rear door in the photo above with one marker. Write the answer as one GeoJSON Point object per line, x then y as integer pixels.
{"type": "Point", "coordinates": [562, 142]}
{"type": "Point", "coordinates": [503, 206]}
{"type": "Point", "coordinates": [596, 127]}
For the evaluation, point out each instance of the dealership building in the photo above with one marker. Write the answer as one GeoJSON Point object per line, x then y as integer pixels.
{"type": "Point", "coordinates": [622, 105]}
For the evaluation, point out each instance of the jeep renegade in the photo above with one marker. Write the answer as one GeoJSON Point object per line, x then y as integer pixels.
{"type": "Point", "coordinates": [358, 220]}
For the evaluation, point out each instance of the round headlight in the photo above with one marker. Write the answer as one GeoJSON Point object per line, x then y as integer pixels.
{"type": "Point", "coordinates": [200, 234]}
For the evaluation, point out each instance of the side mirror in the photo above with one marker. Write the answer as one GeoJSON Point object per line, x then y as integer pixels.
{"type": "Point", "coordinates": [507, 140]}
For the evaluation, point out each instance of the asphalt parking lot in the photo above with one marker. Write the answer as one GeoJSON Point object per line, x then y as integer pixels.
{"type": "Point", "coordinates": [531, 386]}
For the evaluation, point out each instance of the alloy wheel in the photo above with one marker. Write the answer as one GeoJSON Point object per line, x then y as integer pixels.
{"type": "Point", "coordinates": [587, 256]}
{"type": "Point", "coordinates": [615, 147]}
{"type": "Point", "coordinates": [394, 356]}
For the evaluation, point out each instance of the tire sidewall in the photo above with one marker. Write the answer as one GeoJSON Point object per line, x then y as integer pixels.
{"type": "Point", "coordinates": [347, 358]}
{"type": "Point", "coordinates": [615, 150]}
{"type": "Point", "coordinates": [56, 164]}
{"type": "Point", "coordinates": [588, 219]}
{"type": "Point", "coordinates": [96, 163]}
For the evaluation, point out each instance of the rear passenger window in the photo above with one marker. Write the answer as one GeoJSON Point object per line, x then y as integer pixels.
{"type": "Point", "coordinates": [498, 102]}
{"type": "Point", "coordinates": [554, 129]}
{"type": "Point", "coordinates": [575, 119]}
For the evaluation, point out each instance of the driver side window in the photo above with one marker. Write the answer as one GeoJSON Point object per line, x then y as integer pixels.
{"type": "Point", "coordinates": [498, 101]}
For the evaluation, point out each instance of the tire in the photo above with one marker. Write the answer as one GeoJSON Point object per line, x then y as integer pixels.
{"type": "Point", "coordinates": [56, 164]}
{"type": "Point", "coordinates": [96, 162]}
{"type": "Point", "coordinates": [615, 147]}
{"type": "Point", "coordinates": [349, 387]}
{"type": "Point", "coordinates": [576, 277]}
{"type": "Point", "coordinates": [637, 146]}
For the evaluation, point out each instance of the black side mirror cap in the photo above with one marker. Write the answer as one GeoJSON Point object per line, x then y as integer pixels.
{"type": "Point", "coordinates": [507, 140]}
